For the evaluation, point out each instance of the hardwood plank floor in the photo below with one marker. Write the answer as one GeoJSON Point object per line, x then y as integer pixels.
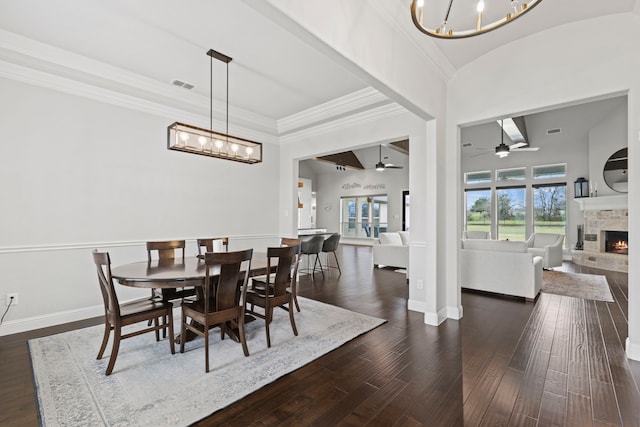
{"type": "Point", "coordinates": [558, 361]}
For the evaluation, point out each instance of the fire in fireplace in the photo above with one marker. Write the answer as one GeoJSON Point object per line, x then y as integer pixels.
{"type": "Point", "coordinates": [617, 242]}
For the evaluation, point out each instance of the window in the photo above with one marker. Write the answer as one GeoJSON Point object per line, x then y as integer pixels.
{"type": "Point", "coordinates": [512, 213]}
{"type": "Point", "coordinates": [478, 207]}
{"type": "Point", "coordinates": [549, 171]}
{"type": "Point", "coordinates": [363, 216]}
{"type": "Point", "coordinates": [549, 208]}
{"type": "Point", "coordinates": [516, 174]}
{"type": "Point", "coordinates": [477, 177]}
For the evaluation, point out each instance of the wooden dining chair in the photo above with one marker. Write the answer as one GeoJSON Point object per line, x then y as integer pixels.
{"type": "Point", "coordinates": [213, 244]}
{"type": "Point", "coordinates": [169, 252]}
{"type": "Point", "coordinates": [223, 302]}
{"type": "Point", "coordinates": [260, 282]}
{"type": "Point", "coordinates": [116, 316]}
{"type": "Point", "coordinates": [277, 292]}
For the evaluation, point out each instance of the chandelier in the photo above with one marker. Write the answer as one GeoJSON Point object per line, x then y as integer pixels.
{"type": "Point", "coordinates": [207, 142]}
{"type": "Point", "coordinates": [437, 19]}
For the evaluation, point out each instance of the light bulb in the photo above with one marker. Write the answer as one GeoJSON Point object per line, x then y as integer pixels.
{"type": "Point", "coordinates": [184, 137]}
{"type": "Point", "coordinates": [515, 6]}
{"type": "Point", "coordinates": [203, 141]}
{"type": "Point", "coordinates": [234, 148]}
{"type": "Point", "coordinates": [420, 3]}
{"type": "Point", "coordinates": [480, 6]}
{"type": "Point", "coordinates": [249, 151]}
{"type": "Point", "coordinates": [218, 144]}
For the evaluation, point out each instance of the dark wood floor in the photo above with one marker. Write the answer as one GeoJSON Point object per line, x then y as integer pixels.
{"type": "Point", "coordinates": [558, 361]}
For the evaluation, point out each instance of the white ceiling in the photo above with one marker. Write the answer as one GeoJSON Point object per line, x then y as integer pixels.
{"type": "Point", "coordinates": [143, 45]}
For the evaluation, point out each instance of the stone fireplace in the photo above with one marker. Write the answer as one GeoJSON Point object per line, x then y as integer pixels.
{"type": "Point", "coordinates": [606, 235]}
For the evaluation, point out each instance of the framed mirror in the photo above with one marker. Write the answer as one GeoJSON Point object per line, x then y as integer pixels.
{"type": "Point", "coordinates": [615, 171]}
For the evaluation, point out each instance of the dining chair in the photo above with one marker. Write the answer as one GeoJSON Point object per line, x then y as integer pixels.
{"type": "Point", "coordinates": [169, 252]}
{"type": "Point", "coordinates": [260, 282]}
{"type": "Point", "coordinates": [277, 292]}
{"type": "Point", "coordinates": [330, 245]}
{"type": "Point", "coordinates": [223, 302]}
{"type": "Point", "coordinates": [117, 315]}
{"type": "Point", "coordinates": [213, 244]}
{"type": "Point", "coordinates": [311, 247]}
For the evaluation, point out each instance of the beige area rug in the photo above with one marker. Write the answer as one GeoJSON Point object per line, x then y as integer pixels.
{"type": "Point", "coordinates": [578, 285]}
{"type": "Point", "coordinates": [151, 387]}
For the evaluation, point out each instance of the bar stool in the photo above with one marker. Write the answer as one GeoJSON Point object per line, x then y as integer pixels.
{"type": "Point", "coordinates": [311, 247]}
{"type": "Point", "coordinates": [331, 245]}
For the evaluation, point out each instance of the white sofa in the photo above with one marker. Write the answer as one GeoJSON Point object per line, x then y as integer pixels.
{"type": "Point", "coordinates": [476, 234]}
{"type": "Point", "coordinates": [392, 249]}
{"type": "Point", "coordinates": [500, 266]}
{"type": "Point", "coordinates": [548, 246]}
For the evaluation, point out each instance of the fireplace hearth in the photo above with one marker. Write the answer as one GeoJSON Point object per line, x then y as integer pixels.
{"type": "Point", "coordinates": [616, 242]}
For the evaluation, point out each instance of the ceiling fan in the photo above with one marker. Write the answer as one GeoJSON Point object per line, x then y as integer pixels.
{"type": "Point", "coordinates": [515, 128]}
{"type": "Point", "coordinates": [382, 166]}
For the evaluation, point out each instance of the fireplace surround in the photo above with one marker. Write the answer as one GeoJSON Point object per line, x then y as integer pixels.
{"type": "Point", "coordinates": [598, 220]}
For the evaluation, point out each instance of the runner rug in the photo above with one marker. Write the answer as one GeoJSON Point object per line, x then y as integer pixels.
{"type": "Point", "coordinates": [150, 386]}
{"type": "Point", "coordinates": [587, 286]}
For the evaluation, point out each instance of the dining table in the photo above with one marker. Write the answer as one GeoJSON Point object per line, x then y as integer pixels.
{"type": "Point", "coordinates": [177, 273]}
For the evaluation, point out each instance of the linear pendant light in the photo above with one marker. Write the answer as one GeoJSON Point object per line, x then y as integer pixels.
{"type": "Point", "coordinates": [207, 142]}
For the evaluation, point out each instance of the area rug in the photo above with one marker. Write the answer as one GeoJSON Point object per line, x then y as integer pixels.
{"type": "Point", "coordinates": [587, 286]}
{"type": "Point", "coordinates": [151, 387]}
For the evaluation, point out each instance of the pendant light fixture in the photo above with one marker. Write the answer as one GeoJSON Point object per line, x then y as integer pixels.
{"type": "Point", "coordinates": [207, 142]}
{"type": "Point", "coordinates": [434, 18]}
{"type": "Point", "coordinates": [502, 150]}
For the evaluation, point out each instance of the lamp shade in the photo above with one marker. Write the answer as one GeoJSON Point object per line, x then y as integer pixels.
{"type": "Point", "coordinates": [581, 188]}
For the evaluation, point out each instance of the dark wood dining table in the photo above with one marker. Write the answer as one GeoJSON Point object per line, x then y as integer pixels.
{"type": "Point", "coordinates": [175, 273]}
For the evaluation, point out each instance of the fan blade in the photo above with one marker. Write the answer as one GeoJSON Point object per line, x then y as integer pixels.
{"type": "Point", "coordinates": [392, 166]}
{"type": "Point", "coordinates": [525, 149]}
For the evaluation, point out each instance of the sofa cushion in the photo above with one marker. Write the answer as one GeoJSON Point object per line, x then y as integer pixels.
{"type": "Point", "coordinates": [390, 238]}
{"type": "Point", "coordinates": [404, 236]}
{"type": "Point", "coordinates": [495, 245]}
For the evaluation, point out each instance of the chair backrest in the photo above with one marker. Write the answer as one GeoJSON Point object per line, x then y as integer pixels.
{"type": "Point", "coordinates": [166, 250]}
{"type": "Point", "coordinates": [109, 297]}
{"type": "Point", "coordinates": [232, 270]}
{"type": "Point", "coordinates": [213, 244]}
{"type": "Point", "coordinates": [289, 241]}
{"type": "Point", "coordinates": [331, 244]}
{"type": "Point", "coordinates": [282, 257]}
{"type": "Point", "coordinates": [312, 245]}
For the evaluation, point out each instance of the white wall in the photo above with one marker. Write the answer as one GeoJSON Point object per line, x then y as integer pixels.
{"type": "Point", "coordinates": [567, 64]}
{"type": "Point", "coordinates": [78, 174]}
{"type": "Point", "coordinates": [332, 186]}
{"type": "Point", "coordinates": [607, 137]}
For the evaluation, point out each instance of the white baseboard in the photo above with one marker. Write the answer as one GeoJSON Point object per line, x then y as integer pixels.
{"type": "Point", "coordinates": [52, 319]}
{"type": "Point", "coordinates": [434, 319]}
{"type": "Point", "coordinates": [633, 350]}
{"type": "Point", "coordinates": [454, 313]}
{"type": "Point", "coordinates": [415, 305]}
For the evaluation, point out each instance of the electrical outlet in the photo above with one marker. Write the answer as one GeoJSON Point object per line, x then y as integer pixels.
{"type": "Point", "coordinates": [15, 299]}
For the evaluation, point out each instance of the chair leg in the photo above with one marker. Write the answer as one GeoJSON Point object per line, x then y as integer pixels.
{"type": "Point", "coordinates": [267, 319]}
{"type": "Point", "coordinates": [206, 349]}
{"type": "Point", "coordinates": [295, 300]}
{"type": "Point", "coordinates": [105, 339]}
{"type": "Point", "coordinates": [293, 322]}
{"type": "Point", "coordinates": [171, 335]}
{"type": "Point", "coordinates": [320, 263]}
{"type": "Point", "coordinates": [243, 339]}
{"type": "Point", "coordinates": [337, 263]}
{"type": "Point", "coordinates": [183, 332]}
{"type": "Point", "coordinates": [114, 350]}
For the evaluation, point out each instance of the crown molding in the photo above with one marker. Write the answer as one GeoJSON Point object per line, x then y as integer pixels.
{"type": "Point", "coordinates": [387, 110]}
{"type": "Point", "coordinates": [339, 107]}
{"type": "Point", "coordinates": [38, 56]}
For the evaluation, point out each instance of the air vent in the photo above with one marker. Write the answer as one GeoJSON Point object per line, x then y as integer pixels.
{"type": "Point", "coordinates": [552, 131]}
{"type": "Point", "coordinates": [467, 144]}
{"type": "Point", "coordinates": [185, 85]}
